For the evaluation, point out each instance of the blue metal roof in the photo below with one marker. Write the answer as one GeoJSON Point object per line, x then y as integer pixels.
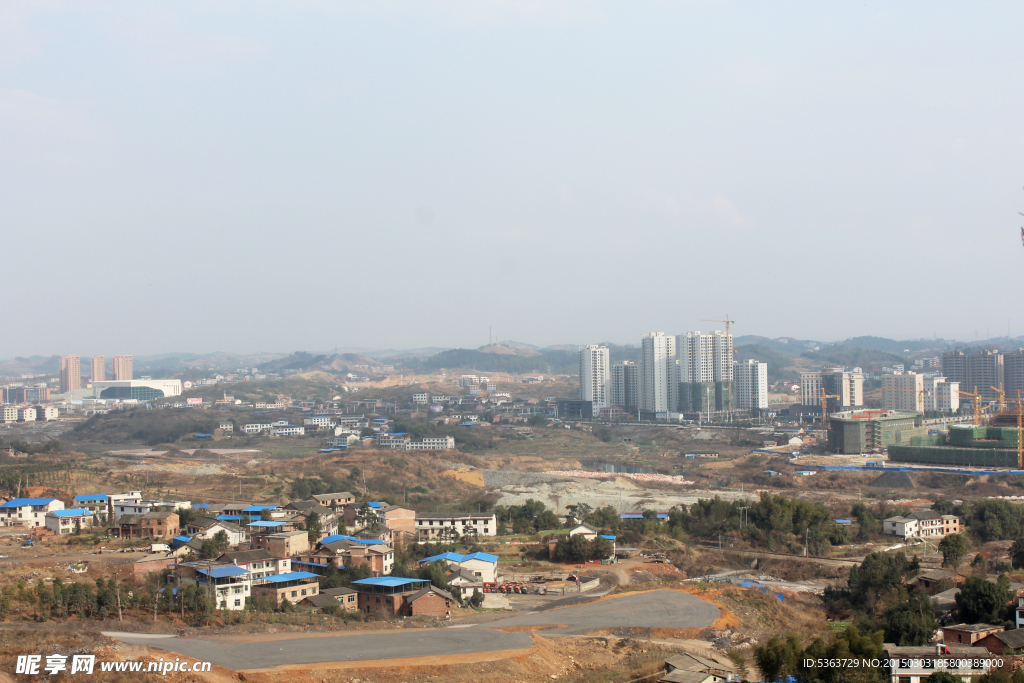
{"type": "Point", "coordinates": [75, 512]}
{"type": "Point", "coordinates": [183, 539]}
{"type": "Point", "coordinates": [260, 508]}
{"type": "Point", "coordinates": [290, 576]}
{"type": "Point", "coordinates": [228, 518]}
{"type": "Point", "coordinates": [341, 537]}
{"type": "Point", "coordinates": [610, 538]}
{"type": "Point", "coordinates": [266, 523]}
{"type": "Point", "coordinates": [376, 505]}
{"type": "Point", "coordinates": [222, 572]}
{"type": "Point", "coordinates": [456, 557]}
{"type": "Point", "coordinates": [202, 436]}
{"type": "Point", "coordinates": [21, 502]}
{"type": "Point", "coordinates": [391, 581]}
{"type": "Point", "coordinates": [91, 496]}
{"type": "Point", "coordinates": [201, 505]}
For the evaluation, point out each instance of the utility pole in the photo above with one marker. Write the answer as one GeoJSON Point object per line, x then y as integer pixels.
{"type": "Point", "coordinates": [117, 589]}
{"type": "Point", "coordinates": [806, 533]}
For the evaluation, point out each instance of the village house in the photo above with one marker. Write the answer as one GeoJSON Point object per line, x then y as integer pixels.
{"type": "Point", "coordinates": [585, 530]}
{"type": "Point", "coordinates": [259, 562]}
{"type": "Point", "coordinates": [431, 525]}
{"type": "Point", "coordinates": [922, 524]}
{"type": "Point", "coordinates": [396, 597]}
{"type": "Point", "coordinates": [208, 527]}
{"type": "Point", "coordinates": [482, 566]}
{"type": "Point", "coordinates": [66, 521]}
{"type": "Point", "coordinates": [291, 586]}
{"type": "Point", "coordinates": [281, 544]}
{"type": "Point", "coordinates": [29, 512]}
{"type": "Point", "coordinates": [393, 517]}
{"type": "Point", "coordinates": [914, 663]}
{"type": "Point", "coordinates": [345, 598]}
{"type": "Point", "coordinates": [689, 668]}
{"type": "Point", "coordinates": [333, 500]}
{"type": "Point", "coordinates": [159, 525]}
{"type": "Point", "coordinates": [231, 584]}
{"type": "Point", "coordinates": [96, 503]}
{"type": "Point", "coordinates": [1004, 643]}
{"type": "Point", "coordinates": [348, 551]}
{"type": "Point", "coordinates": [968, 634]}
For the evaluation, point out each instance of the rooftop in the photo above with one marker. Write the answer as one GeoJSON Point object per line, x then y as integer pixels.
{"type": "Point", "coordinates": [389, 581]}
{"type": "Point", "coordinates": [76, 512]}
{"type": "Point", "coordinates": [290, 576]}
{"type": "Point", "coordinates": [21, 502]}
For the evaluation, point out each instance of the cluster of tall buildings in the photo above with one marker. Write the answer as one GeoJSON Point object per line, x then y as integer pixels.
{"type": "Point", "coordinates": [685, 373]}
{"type": "Point", "coordinates": [986, 371]}
{"type": "Point", "coordinates": [844, 388]}
{"type": "Point", "coordinates": [71, 371]}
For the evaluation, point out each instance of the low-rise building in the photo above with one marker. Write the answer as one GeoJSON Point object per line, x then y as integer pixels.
{"type": "Point", "coordinates": [968, 634]}
{"type": "Point", "coordinates": [483, 566]}
{"type": "Point", "coordinates": [1004, 643]}
{"type": "Point", "coordinates": [431, 525]}
{"type": "Point", "coordinates": [96, 503]}
{"type": "Point", "coordinates": [67, 521]}
{"type": "Point", "coordinates": [396, 597]}
{"type": "Point", "coordinates": [29, 512]}
{"type": "Point", "coordinates": [230, 584]}
{"type": "Point", "coordinates": [333, 500]}
{"type": "Point", "coordinates": [260, 563]}
{"type": "Point", "coordinates": [208, 528]}
{"type": "Point", "coordinates": [290, 586]}
{"type": "Point", "coordinates": [913, 664]}
{"type": "Point", "coordinates": [431, 443]}
{"type": "Point", "coordinates": [282, 544]}
{"type": "Point", "coordinates": [159, 525]}
{"type": "Point", "coordinates": [922, 524]}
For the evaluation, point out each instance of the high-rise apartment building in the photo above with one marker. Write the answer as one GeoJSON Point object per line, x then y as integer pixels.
{"type": "Point", "coordinates": [625, 384]}
{"type": "Point", "coordinates": [123, 368]}
{"type": "Point", "coordinates": [1013, 373]}
{"type": "Point", "coordinates": [940, 395]}
{"type": "Point", "coordinates": [595, 377]}
{"type": "Point", "coordinates": [705, 371]}
{"type": "Point", "coordinates": [848, 385]}
{"type": "Point", "coordinates": [99, 369]}
{"type": "Point", "coordinates": [903, 391]}
{"type": "Point", "coordinates": [659, 373]}
{"type": "Point", "coordinates": [977, 372]}
{"type": "Point", "coordinates": [751, 382]}
{"type": "Point", "coordinates": [70, 374]}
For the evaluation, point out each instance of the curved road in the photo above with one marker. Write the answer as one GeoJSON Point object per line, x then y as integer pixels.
{"type": "Point", "coordinates": [656, 609]}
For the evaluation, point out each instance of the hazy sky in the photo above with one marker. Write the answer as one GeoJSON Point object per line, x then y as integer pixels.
{"type": "Point", "coordinates": [251, 176]}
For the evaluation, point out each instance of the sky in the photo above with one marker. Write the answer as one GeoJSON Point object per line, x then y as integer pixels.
{"type": "Point", "coordinates": [256, 176]}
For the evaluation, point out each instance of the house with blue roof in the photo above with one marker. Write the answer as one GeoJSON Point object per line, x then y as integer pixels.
{"type": "Point", "coordinates": [291, 586]}
{"type": "Point", "coordinates": [229, 583]}
{"type": "Point", "coordinates": [63, 522]}
{"type": "Point", "coordinates": [27, 512]}
{"type": "Point", "coordinates": [96, 503]}
{"type": "Point", "coordinates": [391, 596]}
{"type": "Point", "coordinates": [482, 566]}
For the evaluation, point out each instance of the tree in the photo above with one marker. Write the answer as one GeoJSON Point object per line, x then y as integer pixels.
{"type": "Point", "coordinates": [942, 677]}
{"type": "Point", "coordinates": [739, 663]}
{"type": "Point", "coordinates": [265, 515]}
{"type": "Point", "coordinates": [365, 515]}
{"type": "Point", "coordinates": [579, 511]}
{"type": "Point", "coordinates": [983, 601]}
{"type": "Point", "coordinates": [953, 548]}
{"type": "Point", "coordinates": [546, 520]}
{"type": "Point", "coordinates": [222, 540]}
{"type": "Point", "coordinates": [770, 659]}
{"type": "Point", "coordinates": [1017, 553]}
{"type": "Point", "coordinates": [477, 598]}
{"type": "Point", "coordinates": [313, 527]}
{"type": "Point", "coordinates": [911, 621]}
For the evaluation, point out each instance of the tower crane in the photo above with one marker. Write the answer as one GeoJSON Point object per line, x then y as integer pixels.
{"type": "Point", "coordinates": [1002, 398]}
{"type": "Point", "coordinates": [728, 323]}
{"type": "Point", "coordinates": [976, 402]}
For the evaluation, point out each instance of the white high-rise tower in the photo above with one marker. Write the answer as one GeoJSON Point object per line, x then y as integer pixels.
{"type": "Point", "coordinates": [659, 373]}
{"type": "Point", "coordinates": [595, 376]}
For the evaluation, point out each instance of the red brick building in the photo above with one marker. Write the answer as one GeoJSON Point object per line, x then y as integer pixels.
{"type": "Point", "coordinates": [390, 596]}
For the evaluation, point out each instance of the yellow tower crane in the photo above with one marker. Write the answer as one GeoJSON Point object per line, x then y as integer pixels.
{"type": "Point", "coordinates": [976, 402]}
{"type": "Point", "coordinates": [1002, 398]}
{"type": "Point", "coordinates": [728, 323]}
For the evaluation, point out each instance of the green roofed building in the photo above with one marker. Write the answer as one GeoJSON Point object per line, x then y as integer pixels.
{"type": "Point", "coordinates": [968, 446]}
{"type": "Point", "coordinates": [859, 431]}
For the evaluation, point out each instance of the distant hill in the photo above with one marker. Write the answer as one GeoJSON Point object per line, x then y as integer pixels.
{"type": "Point", "coordinates": [851, 356]}
{"type": "Point", "coordinates": [780, 365]}
{"type": "Point", "coordinates": [546, 362]}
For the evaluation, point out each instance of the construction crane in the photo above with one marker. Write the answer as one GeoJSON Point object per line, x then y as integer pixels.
{"type": "Point", "coordinates": [728, 323]}
{"type": "Point", "coordinates": [1002, 398]}
{"type": "Point", "coordinates": [976, 402]}
{"type": "Point", "coordinates": [824, 413]}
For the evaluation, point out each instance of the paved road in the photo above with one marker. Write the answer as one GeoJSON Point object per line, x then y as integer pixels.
{"type": "Point", "coordinates": [656, 609]}
{"type": "Point", "coordinates": [236, 655]}
{"type": "Point", "coordinates": [664, 608]}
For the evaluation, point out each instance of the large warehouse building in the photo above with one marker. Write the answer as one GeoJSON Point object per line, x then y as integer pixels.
{"type": "Point", "coordinates": [859, 431]}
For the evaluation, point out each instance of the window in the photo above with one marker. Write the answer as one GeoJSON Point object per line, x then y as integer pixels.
{"type": "Point", "coordinates": [238, 603]}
